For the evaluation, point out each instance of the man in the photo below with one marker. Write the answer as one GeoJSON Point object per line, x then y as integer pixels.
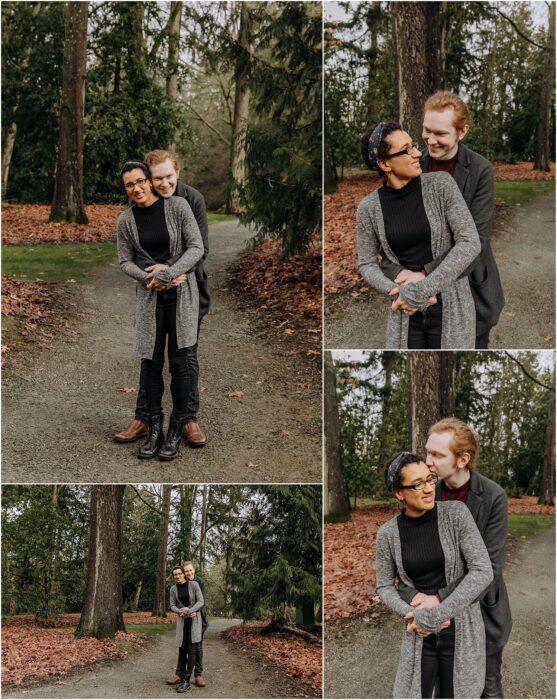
{"type": "Point", "coordinates": [190, 575]}
{"type": "Point", "coordinates": [165, 172]}
{"type": "Point", "coordinates": [452, 447]}
{"type": "Point", "coordinates": [446, 123]}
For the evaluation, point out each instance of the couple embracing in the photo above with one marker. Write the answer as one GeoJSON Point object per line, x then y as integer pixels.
{"type": "Point", "coordinates": [162, 241]}
{"type": "Point", "coordinates": [423, 236]}
{"type": "Point", "coordinates": [440, 567]}
{"type": "Point", "coordinates": [187, 600]}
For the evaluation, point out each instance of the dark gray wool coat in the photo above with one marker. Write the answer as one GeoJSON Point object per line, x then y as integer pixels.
{"type": "Point", "coordinates": [186, 245]}
{"type": "Point", "coordinates": [474, 176]}
{"type": "Point", "coordinates": [453, 233]}
{"type": "Point", "coordinates": [196, 603]}
{"type": "Point", "coordinates": [466, 561]}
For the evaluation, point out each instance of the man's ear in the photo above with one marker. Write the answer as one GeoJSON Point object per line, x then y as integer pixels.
{"type": "Point", "coordinates": [462, 132]}
{"type": "Point", "coordinates": [462, 460]}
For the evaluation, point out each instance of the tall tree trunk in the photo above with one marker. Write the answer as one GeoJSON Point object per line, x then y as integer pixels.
{"type": "Point", "coordinates": [546, 96]}
{"type": "Point", "coordinates": [67, 204]}
{"type": "Point", "coordinates": [203, 533]}
{"type": "Point", "coordinates": [337, 505]}
{"type": "Point", "coordinates": [389, 360]}
{"type": "Point", "coordinates": [102, 614]}
{"type": "Point", "coordinates": [242, 73]}
{"type": "Point", "coordinates": [430, 393]}
{"type": "Point", "coordinates": [173, 48]}
{"type": "Point", "coordinates": [417, 59]}
{"type": "Point", "coordinates": [329, 175]}
{"type": "Point", "coordinates": [159, 602]}
{"type": "Point", "coordinates": [547, 486]}
{"type": "Point", "coordinates": [185, 532]}
{"type": "Point", "coordinates": [137, 594]}
{"type": "Point", "coordinates": [7, 151]}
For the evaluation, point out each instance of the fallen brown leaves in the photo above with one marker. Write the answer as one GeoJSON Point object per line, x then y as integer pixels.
{"type": "Point", "coordinates": [350, 562]}
{"type": "Point", "coordinates": [287, 292]}
{"type": "Point", "coordinates": [72, 619]}
{"type": "Point", "coordinates": [300, 659]}
{"type": "Point", "coordinates": [529, 505]}
{"type": "Point", "coordinates": [340, 268]}
{"type": "Point", "coordinates": [26, 224]}
{"type": "Point", "coordinates": [38, 308]}
{"type": "Point", "coordinates": [521, 171]}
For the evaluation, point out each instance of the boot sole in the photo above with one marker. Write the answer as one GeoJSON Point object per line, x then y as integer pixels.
{"type": "Point", "coordinates": [163, 458]}
{"type": "Point", "coordinates": [129, 442]}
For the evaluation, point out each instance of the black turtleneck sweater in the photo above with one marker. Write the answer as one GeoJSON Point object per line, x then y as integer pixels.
{"type": "Point", "coordinates": [406, 224]}
{"type": "Point", "coordinates": [422, 555]}
{"type": "Point", "coordinates": [153, 231]}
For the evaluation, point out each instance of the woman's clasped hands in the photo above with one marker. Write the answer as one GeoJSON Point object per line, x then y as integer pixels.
{"type": "Point", "coordinates": [421, 601]}
{"type": "Point", "coordinates": [157, 286]}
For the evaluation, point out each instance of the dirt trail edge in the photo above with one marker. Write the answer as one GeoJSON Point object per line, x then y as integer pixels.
{"type": "Point", "coordinates": [60, 415]}
{"type": "Point", "coordinates": [227, 673]}
{"type": "Point", "coordinates": [528, 657]}
{"type": "Point", "coordinates": [525, 257]}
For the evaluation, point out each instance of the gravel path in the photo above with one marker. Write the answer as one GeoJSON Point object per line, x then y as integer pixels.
{"type": "Point", "coordinates": [60, 414]}
{"type": "Point", "coordinates": [357, 666]}
{"type": "Point", "coordinates": [227, 674]}
{"type": "Point", "coordinates": [526, 259]}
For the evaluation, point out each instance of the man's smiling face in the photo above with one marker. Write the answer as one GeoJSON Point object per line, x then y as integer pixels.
{"type": "Point", "coordinates": [440, 134]}
{"type": "Point", "coordinates": [165, 178]}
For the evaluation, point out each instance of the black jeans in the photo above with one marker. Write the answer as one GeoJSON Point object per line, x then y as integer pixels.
{"type": "Point", "coordinates": [198, 658]}
{"type": "Point", "coordinates": [482, 341]}
{"type": "Point", "coordinates": [493, 687]}
{"type": "Point", "coordinates": [187, 655]}
{"type": "Point", "coordinates": [183, 365]}
{"type": "Point", "coordinates": [424, 328]}
{"type": "Point", "coordinates": [438, 662]}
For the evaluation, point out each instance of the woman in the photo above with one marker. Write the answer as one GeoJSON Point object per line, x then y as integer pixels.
{"type": "Point", "coordinates": [164, 233]}
{"type": "Point", "coordinates": [185, 600]}
{"type": "Point", "coordinates": [412, 219]}
{"type": "Point", "coordinates": [431, 546]}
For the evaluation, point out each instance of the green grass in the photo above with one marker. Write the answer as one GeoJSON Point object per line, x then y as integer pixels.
{"type": "Point", "coordinates": [522, 192]}
{"type": "Point", "coordinates": [528, 525]}
{"type": "Point", "coordinates": [56, 262]}
{"type": "Point", "coordinates": [150, 629]}
{"type": "Point", "coordinates": [215, 217]}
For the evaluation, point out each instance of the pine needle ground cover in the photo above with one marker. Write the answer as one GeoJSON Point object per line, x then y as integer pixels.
{"type": "Point", "coordinates": [33, 654]}
{"type": "Point", "coordinates": [300, 659]}
{"type": "Point", "coordinates": [516, 184]}
{"type": "Point", "coordinates": [350, 554]}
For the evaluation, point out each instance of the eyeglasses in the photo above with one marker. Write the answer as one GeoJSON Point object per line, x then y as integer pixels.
{"type": "Point", "coordinates": [130, 185]}
{"type": "Point", "coordinates": [420, 486]}
{"type": "Point", "coordinates": [414, 146]}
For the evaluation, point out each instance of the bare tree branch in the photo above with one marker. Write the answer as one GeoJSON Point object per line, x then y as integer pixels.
{"type": "Point", "coordinates": [144, 501]}
{"type": "Point", "coordinates": [523, 368]}
{"type": "Point", "coordinates": [207, 123]}
{"type": "Point", "coordinates": [517, 30]}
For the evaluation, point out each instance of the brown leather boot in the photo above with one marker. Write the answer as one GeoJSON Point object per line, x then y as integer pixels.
{"type": "Point", "coordinates": [173, 680]}
{"type": "Point", "coordinates": [194, 435]}
{"type": "Point", "coordinates": [132, 432]}
{"type": "Point", "coordinates": [200, 682]}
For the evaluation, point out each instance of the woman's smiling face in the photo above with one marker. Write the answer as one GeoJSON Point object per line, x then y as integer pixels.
{"type": "Point", "coordinates": [403, 166]}
{"type": "Point", "coordinates": [137, 186]}
{"type": "Point", "coordinates": [416, 502]}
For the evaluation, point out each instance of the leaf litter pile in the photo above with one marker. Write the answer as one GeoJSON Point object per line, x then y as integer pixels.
{"type": "Point", "coordinates": [340, 270]}
{"type": "Point", "coordinates": [350, 562]}
{"type": "Point", "coordinates": [28, 224]}
{"type": "Point", "coordinates": [33, 654]}
{"type": "Point", "coordinates": [299, 658]}
{"type": "Point", "coordinates": [287, 293]}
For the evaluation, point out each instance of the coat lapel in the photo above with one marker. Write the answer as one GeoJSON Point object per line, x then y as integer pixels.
{"type": "Point", "coordinates": [474, 500]}
{"type": "Point", "coordinates": [461, 170]}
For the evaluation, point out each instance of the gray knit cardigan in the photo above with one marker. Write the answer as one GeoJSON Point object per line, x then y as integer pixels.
{"type": "Point", "coordinates": [185, 241]}
{"type": "Point", "coordinates": [465, 555]}
{"type": "Point", "coordinates": [449, 218]}
{"type": "Point", "coordinates": [196, 603]}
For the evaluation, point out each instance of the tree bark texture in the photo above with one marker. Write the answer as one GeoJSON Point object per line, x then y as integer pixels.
{"type": "Point", "coordinates": [546, 97]}
{"type": "Point", "coordinates": [187, 502]}
{"type": "Point", "coordinates": [241, 109]}
{"type": "Point", "coordinates": [67, 204]}
{"type": "Point", "coordinates": [102, 613]}
{"type": "Point", "coordinates": [417, 59]}
{"type": "Point", "coordinates": [431, 394]}
{"type": "Point", "coordinates": [547, 486]}
{"type": "Point", "coordinates": [173, 48]}
{"type": "Point", "coordinates": [203, 532]}
{"type": "Point", "coordinates": [337, 505]}
{"type": "Point", "coordinates": [159, 602]}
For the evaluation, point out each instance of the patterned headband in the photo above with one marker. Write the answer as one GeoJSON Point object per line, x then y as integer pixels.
{"type": "Point", "coordinates": [393, 469]}
{"type": "Point", "coordinates": [373, 146]}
